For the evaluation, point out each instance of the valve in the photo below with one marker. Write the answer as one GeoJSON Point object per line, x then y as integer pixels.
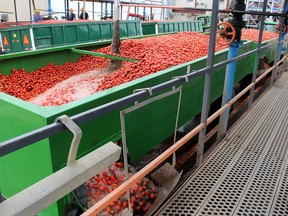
{"type": "Point", "coordinates": [226, 33]}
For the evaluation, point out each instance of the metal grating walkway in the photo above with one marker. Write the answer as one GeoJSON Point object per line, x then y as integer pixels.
{"type": "Point", "coordinates": [248, 172]}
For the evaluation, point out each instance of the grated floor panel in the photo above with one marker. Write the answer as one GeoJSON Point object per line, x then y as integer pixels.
{"type": "Point", "coordinates": [248, 172]}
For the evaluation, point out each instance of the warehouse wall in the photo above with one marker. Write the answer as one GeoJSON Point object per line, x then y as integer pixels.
{"type": "Point", "coordinates": [22, 8]}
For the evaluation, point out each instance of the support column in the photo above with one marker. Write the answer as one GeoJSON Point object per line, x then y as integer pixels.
{"type": "Point", "coordinates": [208, 81]}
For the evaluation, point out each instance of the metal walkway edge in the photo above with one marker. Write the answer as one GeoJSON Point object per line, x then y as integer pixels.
{"type": "Point", "coordinates": [247, 174]}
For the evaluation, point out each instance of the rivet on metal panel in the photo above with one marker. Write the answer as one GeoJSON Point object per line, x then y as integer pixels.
{"type": "Point", "coordinates": [77, 134]}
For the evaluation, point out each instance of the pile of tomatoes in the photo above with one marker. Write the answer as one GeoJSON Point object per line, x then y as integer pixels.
{"type": "Point", "coordinates": [142, 194]}
{"type": "Point", "coordinates": [154, 54]}
{"type": "Point", "coordinates": [253, 34]}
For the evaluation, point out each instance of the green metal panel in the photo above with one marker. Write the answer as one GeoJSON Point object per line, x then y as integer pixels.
{"type": "Point", "coordinates": [181, 27]}
{"type": "Point", "coordinates": [59, 37]}
{"type": "Point", "coordinates": [29, 165]}
{"type": "Point", "coordinates": [43, 37]}
{"type": "Point", "coordinates": [171, 27]}
{"type": "Point", "coordinates": [15, 39]}
{"type": "Point", "coordinates": [73, 34]}
{"type": "Point", "coordinates": [25, 35]}
{"type": "Point", "coordinates": [124, 30]}
{"type": "Point", "coordinates": [193, 27]}
{"type": "Point", "coordinates": [6, 45]}
{"type": "Point", "coordinates": [141, 125]}
{"type": "Point", "coordinates": [133, 25]}
{"type": "Point", "coordinates": [95, 33]}
{"type": "Point", "coordinates": [131, 30]}
{"type": "Point", "coordinates": [106, 30]}
{"type": "Point", "coordinates": [176, 27]}
{"type": "Point", "coordinates": [188, 26]}
{"type": "Point", "coordinates": [148, 28]}
{"type": "Point", "coordinates": [161, 28]}
{"type": "Point", "coordinates": [83, 32]}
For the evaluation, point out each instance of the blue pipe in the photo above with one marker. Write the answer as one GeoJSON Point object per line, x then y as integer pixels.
{"type": "Point", "coordinates": [280, 46]}
{"type": "Point", "coordinates": [49, 7]}
{"type": "Point", "coordinates": [111, 14]}
{"type": "Point", "coordinates": [230, 71]}
{"type": "Point", "coordinates": [228, 87]}
{"type": "Point", "coordinates": [106, 9]}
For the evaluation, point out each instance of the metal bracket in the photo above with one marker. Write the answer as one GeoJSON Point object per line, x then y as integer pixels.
{"type": "Point", "coordinates": [185, 77]}
{"type": "Point", "coordinates": [188, 69]}
{"type": "Point", "coordinates": [149, 90]}
{"type": "Point", "coordinates": [77, 134]}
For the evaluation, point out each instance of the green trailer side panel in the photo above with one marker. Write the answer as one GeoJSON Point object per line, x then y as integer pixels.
{"type": "Point", "coordinates": [71, 31]}
{"type": "Point", "coordinates": [176, 27]}
{"type": "Point", "coordinates": [124, 31]}
{"type": "Point", "coordinates": [16, 39]}
{"type": "Point", "coordinates": [131, 31]}
{"type": "Point", "coordinates": [6, 41]}
{"type": "Point", "coordinates": [43, 37]}
{"type": "Point", "coordinates": [148, 28]}
{"type": "Point", "coordinates": [59, 36]}
{"type": "Point", "coordinates": [26, 39]}
{"type": "Point", "coordinates": [28, 165]}
{"type": "Point", "coordinates": [161, 28]}
{"type": "Point", "coordinates": [83, 33]}
{"type": "Point", "coordinates": [95, 33]}
{"type": "Point", "coordinates": [194, 26]}
{"type": "Point", "coordinates": [106, 31]}
{"type": "Point", "coordinates": [142, 124]}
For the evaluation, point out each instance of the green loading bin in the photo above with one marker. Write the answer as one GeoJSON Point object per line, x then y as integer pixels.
{"type": "Point", "coordinates": [75, 32]}
{"type": "Point", "coordinates": [16, 39]}
{"type": "Point", "coordinates": [24, 167]}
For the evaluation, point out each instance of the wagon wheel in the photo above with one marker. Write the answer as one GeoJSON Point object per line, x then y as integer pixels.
{"type": "Point", "coordinates": [225, 33]}
{"type": "Point", "coordinates": [277, 29]}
